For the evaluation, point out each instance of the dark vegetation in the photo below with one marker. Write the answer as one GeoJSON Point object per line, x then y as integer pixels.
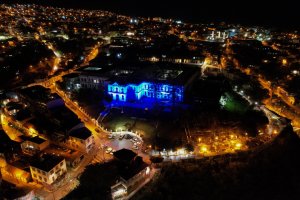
{"type": "Point", "coordinates": [271, 172]}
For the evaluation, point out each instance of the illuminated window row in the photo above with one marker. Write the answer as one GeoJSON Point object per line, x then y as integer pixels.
{"type": "Point", "coordinates": [132, 92]}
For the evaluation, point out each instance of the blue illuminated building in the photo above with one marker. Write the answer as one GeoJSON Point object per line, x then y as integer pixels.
{"type": "Point", "coordinates": [160, 92]}
{"type": "Point", "coordinates": [151, 85]}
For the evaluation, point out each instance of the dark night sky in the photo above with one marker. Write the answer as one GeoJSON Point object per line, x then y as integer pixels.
{"type": "Point", "coordinates": [247, 11]}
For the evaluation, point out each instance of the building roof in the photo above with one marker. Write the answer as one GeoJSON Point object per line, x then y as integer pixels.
{"type": "Point", "coordinates": [125, 155]}
{"type": "Point", "coordinates": [14, 105]}
{"type": "Point", "coordinates": [5, 141]}
{"type": "Point", "coordinates": [72, 75]}
{"type": "Point", "coordinates": [66, 118]}
{"type": "Point", "coordinates": [68, 154]}
{"type": "Point", "coordinates": [41, 125]}
{"type": "Point", "coordinates": [23, 115]}
{"type": "Point", "coordinates": [168, 73]}
{"type": "Point", "coordinates": [136, 73]}
{"type": "Point", "coordinates": [98, 71]}
{"type": "Point", "coordinates": [21, 164]}
{"type": "Point", "coordinates": [135, 167]}
{"type": "Point", "coordinates": [46, 162]}
{"type": "Point", "coordinates": [81, 133]}
{"type": "Point", "coordinates": [36, 139]}
{"type": "Point", "coordinates": [39, 93]}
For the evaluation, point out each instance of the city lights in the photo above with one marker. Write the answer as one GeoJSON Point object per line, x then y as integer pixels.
{"type": "Point", "coordinates": [138, 104]}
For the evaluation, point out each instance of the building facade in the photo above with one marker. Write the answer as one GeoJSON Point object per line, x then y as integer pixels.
{"type": "Point", "coordinates": [153, 91]}
{"type": "Point", "coordinates": [48, 169]}
{"type": "Point", "coordinates": [134, 173]}
{"type": "Point", "coordinates": [90, 81]}
{"type": "Point", "coordinates": [34, 145]}
{"type": "Point", "coordinates": [81, 139]}
{"type": "Point", "coordinates": [124, 189]}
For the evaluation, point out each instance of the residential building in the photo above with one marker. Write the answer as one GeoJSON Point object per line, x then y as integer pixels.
{"type": "Point", "coordinates": [18, 170]}
{"type": "Point", "coordinates": [48, 168]}
{"type": "Point", "coordinates": [33, 145]}
{"type": "Point", "coordinates": [134, 174]}
{"type": "Point", "coordinates": [81, 139]}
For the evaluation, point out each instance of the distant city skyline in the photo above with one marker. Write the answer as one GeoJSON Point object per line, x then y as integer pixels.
{"type": "Point", "coordinates": [252, 13]}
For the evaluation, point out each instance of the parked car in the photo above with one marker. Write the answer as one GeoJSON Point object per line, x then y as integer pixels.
{"type": "Point", "coordinates": [121, 137]}
{"type": "Point", "coordinates": [108, 150]}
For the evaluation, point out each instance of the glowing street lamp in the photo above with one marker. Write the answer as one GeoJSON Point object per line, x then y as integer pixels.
{"type": "Point", "coordinates": [203, 149]}
{"type": "Point", "coordinates": [284, 62]}
{"type": "Point", "coordinates": [238, 146]}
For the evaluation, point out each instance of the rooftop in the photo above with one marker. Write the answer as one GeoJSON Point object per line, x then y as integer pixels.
{"type": "Point", "coordinates": [46, 162]}
{"type": "Point", "coordinates": [159, 72]}
{"type": "Point", "coordinates": [41, 125]}
{"type": "Point", "coordinates": [125, 155]}
{"type": "Point", "coordinates": [135, 167]}
{"type": "Point", "coordinates": [36, 139]}
{"type": "Point", "coordinates": [23, 115]}
{"type": "Point", "coordinates": [67, 119]}
{"type": "Point", "coordinates": [144, 71]}
{"type": "Point", "coordinates": [38, 93]}
{"type": "Point", "coordinates": [14, 105]}
{"type": "Point", "coordinates": [68, 154]}
{"type": "Point", "coordinates": [81, 133]}
{"type": "Point", "coordinates": [72, 75]}
{"type": "Point", "coordinates": [5, 142]}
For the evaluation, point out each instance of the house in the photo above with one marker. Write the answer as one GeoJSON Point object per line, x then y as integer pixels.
{"type": "Point", "coordinates": [32, 145]}
{"type": "Point", "coordinates": [18, 170]}
{"type": "Point", "coordinates": [81, 139]}
{"type": "Point", "coordinates": [134, 173]}
{"type": "Point", "coordinates": [48, 168]}
{"type": "Point", "coordinates": [73, 157]}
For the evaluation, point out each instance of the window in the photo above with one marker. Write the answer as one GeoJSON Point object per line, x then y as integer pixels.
{"type": "Point", "coordinates": [51, 172]}
{"type": "Point", "coordinates": [34, 175]}
{"type": "Point", "coordinates": [45, 180]}
{"type": "Point", "coordinates": [61, 164]}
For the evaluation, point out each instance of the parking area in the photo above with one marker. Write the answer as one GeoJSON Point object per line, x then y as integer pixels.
{"type": "Point", "coordinates": [120, 140]}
